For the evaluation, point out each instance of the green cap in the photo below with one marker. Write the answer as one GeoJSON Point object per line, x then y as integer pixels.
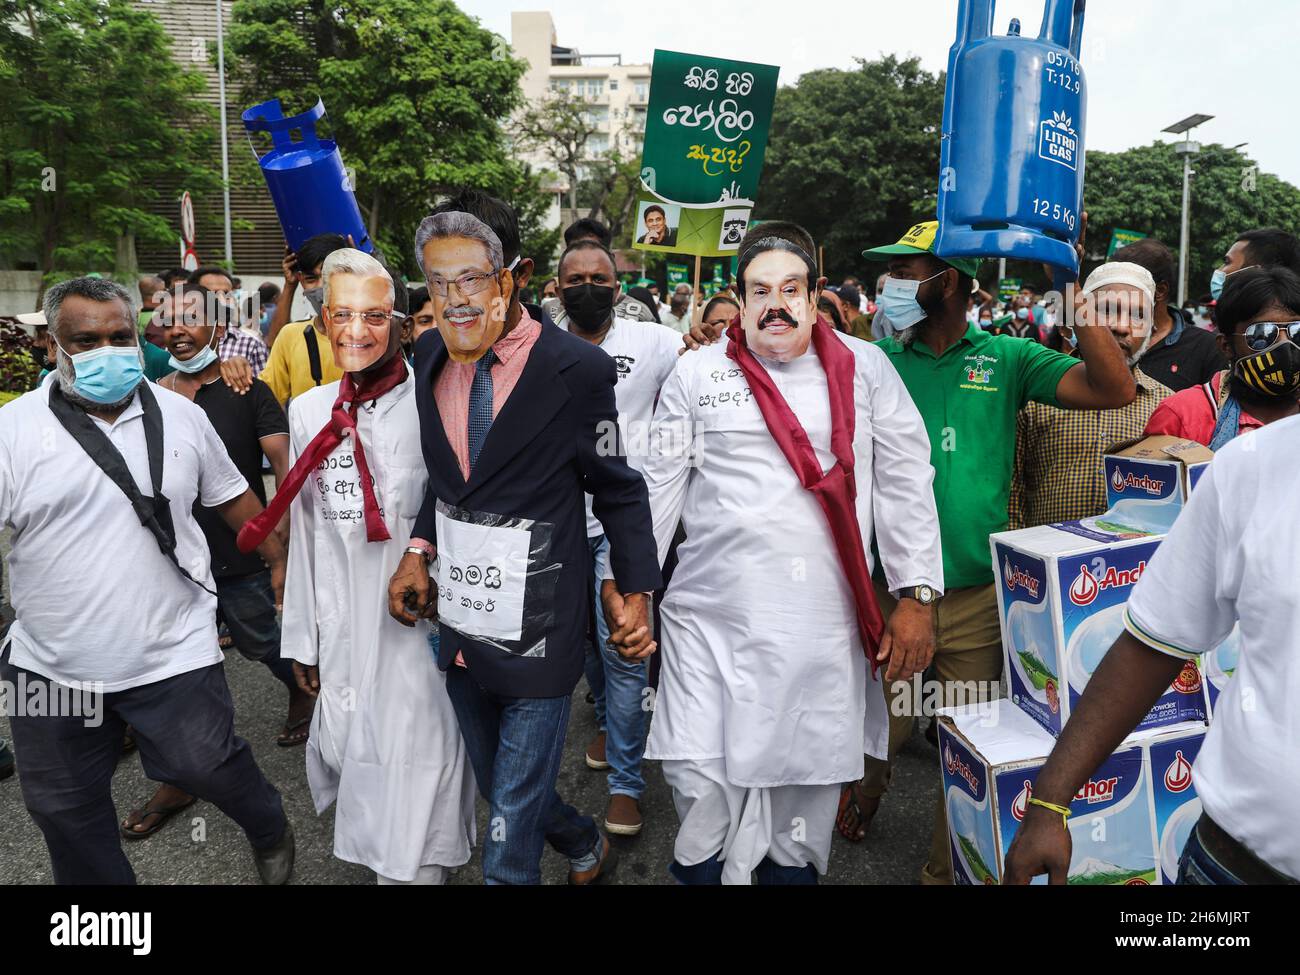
{"type": "Point", "coordinates": [920, 240]}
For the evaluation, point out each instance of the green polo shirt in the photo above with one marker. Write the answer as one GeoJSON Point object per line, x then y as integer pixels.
{"type": "Point", "coordinates": [969, 398]}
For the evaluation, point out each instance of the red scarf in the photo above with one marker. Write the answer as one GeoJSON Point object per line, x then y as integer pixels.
{"type": "Point", "coordinates": [372, 386]}
{"type": "Point", "coordinates": [835, 490]}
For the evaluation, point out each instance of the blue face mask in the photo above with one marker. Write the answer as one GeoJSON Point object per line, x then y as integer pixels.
{"type": "Point", "coordinates": [1219, 278]}
{"type": "Point", "coordinates": [1022, 313]}
{"type": "Point", "coordinates": [197, 363]}
{"type": "Point", "coordinates": [108, 374]}
{"type": "Point", "coordinates": [1216, 283]}
{"type": "Point", "coordinates": [898, 301]}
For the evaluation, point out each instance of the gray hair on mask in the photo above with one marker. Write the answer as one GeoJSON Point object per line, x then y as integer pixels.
{"type": "Point", "coordinates": [455, 223]}
{"type": "Point", "coordinates": [347, 260]}
{"type": "Point", "coordinates": [94, 289]}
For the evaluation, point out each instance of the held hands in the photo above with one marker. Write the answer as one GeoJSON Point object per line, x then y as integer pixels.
{"type": "Point", "coordinates": [908, 643]}
{"type": "Point", "coordinates": [629, 621]}
{"type": "Point", "coordinates": [1042, 845]}
{"type": "Point", "coordinates": [411, 597]}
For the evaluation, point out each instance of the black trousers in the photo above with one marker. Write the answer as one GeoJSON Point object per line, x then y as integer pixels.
{"type": "Point", "coordinates": [185, 729]}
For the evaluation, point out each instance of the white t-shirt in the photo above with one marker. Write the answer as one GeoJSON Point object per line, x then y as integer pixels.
{"type": "Point", "coordinates": [95, 599]}
{"type": "Point", "coordinates": [644, 354]}
{"type": "Point", "coordinates": [1233, 557]}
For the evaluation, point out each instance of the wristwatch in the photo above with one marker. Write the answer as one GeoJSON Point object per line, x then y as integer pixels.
{"type": "Point", "coordinates": [922, 594]}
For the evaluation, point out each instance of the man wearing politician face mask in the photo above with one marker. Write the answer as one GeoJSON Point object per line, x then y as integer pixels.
{"type": "Point", "coordinates": [1258, 317]}
{"type": "Point", "coordinates": [644, 354]}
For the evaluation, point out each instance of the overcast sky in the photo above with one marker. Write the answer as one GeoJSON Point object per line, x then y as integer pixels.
{"type": "Point", "coordinates": [1149, 63]}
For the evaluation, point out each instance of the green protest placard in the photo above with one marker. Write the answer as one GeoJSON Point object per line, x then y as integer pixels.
{"type": "Point", "coordinates": [706, 133]}
{"type": "Point", "coordinates": [1008, 288]}
{"type": "Point", "coordinates": [677, 274]}
{"type": "Point", "coordinates": [1122, 238]}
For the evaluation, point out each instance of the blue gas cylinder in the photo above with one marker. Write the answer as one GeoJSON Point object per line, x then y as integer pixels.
{"type": "Point", "coordinates": [305, 177]}
{"type": "Point", "coordinates": [1011, 162]}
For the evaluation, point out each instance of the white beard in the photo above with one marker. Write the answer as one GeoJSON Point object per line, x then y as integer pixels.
{"type": "Point", "coordinates": [1141, 351]}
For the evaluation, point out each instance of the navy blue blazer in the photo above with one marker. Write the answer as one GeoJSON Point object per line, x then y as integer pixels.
{"type": "Point", "coordinates": [539, 456]}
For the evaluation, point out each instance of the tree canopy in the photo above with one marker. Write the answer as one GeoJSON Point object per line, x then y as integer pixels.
{"type": "Point", "coordinates": [96, 118]}
{"type": "Point", "coordinates": [853, 156]}
{"type": "Point", "coordinates": [415, 94]}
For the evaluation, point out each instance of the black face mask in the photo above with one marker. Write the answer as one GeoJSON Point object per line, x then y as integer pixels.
{"type": "Point", "coordinates": [588, 305]}
{"type": "Point", "coordinates": [1271, 374]}
{"type": "Point", "coordinates": [39, 356]}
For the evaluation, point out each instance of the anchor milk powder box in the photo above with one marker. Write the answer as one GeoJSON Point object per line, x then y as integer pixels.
{"type": "Point", "coordinates": [1149, 480]}
{"type": "Point", "coordinates": [1061, 594]}
{"type": "Point", "coordinates": [1121, 824]}
{"type": "Point", "coordinates": [1175, 805]}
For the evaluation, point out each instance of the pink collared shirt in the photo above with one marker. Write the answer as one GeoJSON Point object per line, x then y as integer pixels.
{"type": "Point", "coordinates": [451, 389]}
{"type": "Point", "coordinates": [451, 393]}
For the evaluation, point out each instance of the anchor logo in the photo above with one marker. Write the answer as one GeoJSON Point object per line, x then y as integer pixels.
{"type": "Point", "coordinates": [1084, 589]}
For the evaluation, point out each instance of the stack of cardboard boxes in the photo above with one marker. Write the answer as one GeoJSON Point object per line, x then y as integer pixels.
{"type": "Point", "coordinates": [1062, 590]}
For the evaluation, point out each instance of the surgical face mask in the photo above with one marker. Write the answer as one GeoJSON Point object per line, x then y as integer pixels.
{"type": "Point", "coordinates": [108, 374]}
{"type": "Point", "coordinates": [1273, 373]}
{"type": "Point", "coordinates": [898, 301]}
{"type": "Point", "coordinates": [1022, 314]}
{"type": "Point", "coordinates": [199, 361]}
{"type": "Point", "coordinates": [1219, 278]}
{"type": "Point", "coordinates": [588, 305]}
{"type": "Point", "coordinates": [315, 297]}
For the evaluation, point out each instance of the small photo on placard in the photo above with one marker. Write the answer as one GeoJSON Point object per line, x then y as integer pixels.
{"type": "Point", "coordinates": [658, 223]}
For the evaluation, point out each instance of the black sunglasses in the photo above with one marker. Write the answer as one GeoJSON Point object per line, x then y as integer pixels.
{"type": "Point", "coordinates": [1265, 335]}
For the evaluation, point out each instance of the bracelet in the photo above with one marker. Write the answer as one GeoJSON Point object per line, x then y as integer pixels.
{"type": "Point", "coordinates": [1063, 810]}
{"type": "Point", "coordinates": [416, 550]}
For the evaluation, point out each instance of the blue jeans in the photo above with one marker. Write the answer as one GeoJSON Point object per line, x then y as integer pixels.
{"type": "Point", "coordinates": [619, 687]}
{"type": "Point", "coordinates": [1197, 867]}
{"type": "Point", "coordinates": [515, 745]}
{"type": "Point", "coordinates": [246, 604]}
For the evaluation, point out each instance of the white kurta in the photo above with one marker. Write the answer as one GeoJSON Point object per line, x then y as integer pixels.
{"type": "Point", "coordinates": [762, 663]}
{"type": "Point", "coordinates": [384, 739]}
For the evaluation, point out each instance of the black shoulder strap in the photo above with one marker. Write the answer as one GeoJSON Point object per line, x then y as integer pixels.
{"type": "Point", "coordinates": [313, 352]}
{"type": "Point", "coordinates": [154, 513]}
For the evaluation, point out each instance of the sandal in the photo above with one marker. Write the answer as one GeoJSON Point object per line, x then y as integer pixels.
{"type": "Point", "coordinates": [853, 817]}
{"type": "Point", "coordinates": [291, 735]}
{"type": "Point", "coordinates": [224, 640]}
{"type": "Point", "coordinates": [164, 813]}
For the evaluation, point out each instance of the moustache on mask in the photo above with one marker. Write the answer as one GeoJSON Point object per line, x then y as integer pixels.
{"type": "Point", "coordinates": [777, 315]}
{"type": "Point", "coordinates": [462, 312]}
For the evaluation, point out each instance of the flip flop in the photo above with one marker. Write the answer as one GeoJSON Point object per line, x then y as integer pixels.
{"type": "Point", "coordinates": [164, 812]}
{"type": "Point", "coordinates": [851, 805]}
{"type": "Point", "coordinates": [289, 737]}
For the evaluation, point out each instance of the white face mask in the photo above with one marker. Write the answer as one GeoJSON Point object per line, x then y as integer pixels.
{"type": "Point", "coordinates": [898, 300]}
{"type": "Point", "coordinates": [199, 361]}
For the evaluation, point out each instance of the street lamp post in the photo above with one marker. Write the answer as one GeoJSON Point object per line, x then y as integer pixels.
{"type": "Point", "coordinates": [225, 151]}
{"type": "Point", "coordinates": [1187, 148]}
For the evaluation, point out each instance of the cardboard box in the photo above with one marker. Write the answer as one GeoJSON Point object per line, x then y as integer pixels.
{"type": "Point", "coordinates": [1149, 480]}
{"type": "Point", "coordinates": [1174, 802]}
{"type": "Point", "coordinates": [1120, 823]}
{"type": "Point", "coordinates": [1061, 594]}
